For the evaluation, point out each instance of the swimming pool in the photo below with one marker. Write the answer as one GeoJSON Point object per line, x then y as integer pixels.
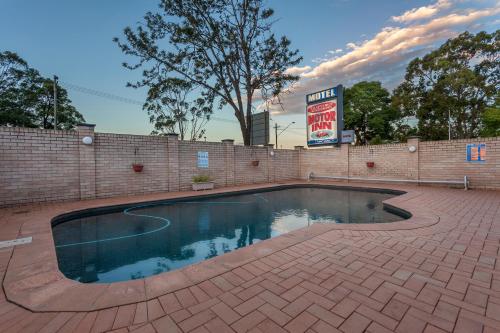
{"type": "Point", "coordinates": [136, 241]}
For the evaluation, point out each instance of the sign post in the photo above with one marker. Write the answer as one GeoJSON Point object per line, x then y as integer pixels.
{"type": "Point", "coordinates": [325, 116]}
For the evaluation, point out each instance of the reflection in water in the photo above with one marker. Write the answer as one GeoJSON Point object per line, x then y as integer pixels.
{"type": "Point", "coordinates": [200, 230]}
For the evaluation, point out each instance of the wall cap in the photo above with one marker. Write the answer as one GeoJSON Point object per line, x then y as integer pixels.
{"type": "Point", "coordinates": [85, 125]}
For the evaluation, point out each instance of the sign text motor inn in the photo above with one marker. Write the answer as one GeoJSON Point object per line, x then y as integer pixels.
{"type": "Point", "coordinates": [325, 116]}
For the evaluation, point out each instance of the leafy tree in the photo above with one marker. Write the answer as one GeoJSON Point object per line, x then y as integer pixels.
{"type": "Point", "coordinates": [26, 98]}
{"type": "Point", "coordinates": [491, 120]}
{"type": "Point", "coordinates": [12, 68]}
{"type": "Point", "coordinates": [170, 110]}
{"type": "Point", "coordinates": [225, 47]}
{"type": "Point", "coordinates": [369, 113]}
{"type": "Point", "coordinates": [458, 81]}
{"type": "Point", "coordinates": [41, 105]}
{"type": "Point", "coordinates": [14, 77]}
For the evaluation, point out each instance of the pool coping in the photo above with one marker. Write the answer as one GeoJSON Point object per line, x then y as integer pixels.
{"type": "Point", "coordinates": [33, 279]}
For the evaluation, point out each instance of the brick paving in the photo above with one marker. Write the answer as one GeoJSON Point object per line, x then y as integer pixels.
{"type": "Point", "coordinates": [437, 277]}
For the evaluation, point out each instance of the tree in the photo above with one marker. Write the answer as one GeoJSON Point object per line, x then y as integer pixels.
{"type": "Point", "coordinates": [41, 105]}
{"type": "Point", "coordinates": [169, 109]}
{"type": "Point", "coordinates": [26, 98]}
{"type": "Point", "coordinates": [455, 83]}
{"type": "Point", "coordinates": [14, 77]}
{"type": "Point", "coordinates": [491, 120]}
{"type": "Point", "coordinates": [369, 113]}
{"type": "Point", "coordinates": [224, 47]}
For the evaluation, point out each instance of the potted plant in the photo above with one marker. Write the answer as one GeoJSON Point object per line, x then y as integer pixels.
{"type": "Point", "coordinates": [137, 166]}
{"type": "Point", "coordinates": [370, 164]}
{"type": "Point", "coordinates": [202, 182]}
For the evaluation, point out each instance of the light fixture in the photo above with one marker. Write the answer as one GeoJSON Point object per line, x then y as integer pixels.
{"type": "Point", "coordinates": [87, 140]}
{"type": "Point", "coordinates": [412, 149]}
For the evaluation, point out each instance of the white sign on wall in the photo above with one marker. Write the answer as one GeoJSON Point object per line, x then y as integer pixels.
{"type": "Point", "coordinates": [203, 159]}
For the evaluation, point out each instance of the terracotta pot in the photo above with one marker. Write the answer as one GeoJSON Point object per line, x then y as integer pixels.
{"type": "Point", "coordinates": [255, 163]}
{"type": "Point", "coordinates": [137, 167]}
{"type": "Point", "coordinates": [370, 164]}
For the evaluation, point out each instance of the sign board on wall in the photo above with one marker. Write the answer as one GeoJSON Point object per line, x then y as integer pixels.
{"type": "Point", "coordinates": [325, 116]}
{"type": "Point", "coordinates": [203, 159]}
{"type": "Point", "coordinates": [260, 128]}
{"type": "Point", "coordinates": [347, 136]}
{"type": "Point", "coordinates": [476, 152]}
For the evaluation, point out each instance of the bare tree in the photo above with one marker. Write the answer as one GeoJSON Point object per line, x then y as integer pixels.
{"type": "Point", "coordinates": [225, 47]}
{"type": "Point", "coordinates": [170, 109]}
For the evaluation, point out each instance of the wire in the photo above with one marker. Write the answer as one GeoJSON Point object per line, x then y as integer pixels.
{"type": "Point", "coordinates": [114, 97]}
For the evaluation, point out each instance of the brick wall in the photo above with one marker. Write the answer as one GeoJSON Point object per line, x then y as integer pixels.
{"type": "Point", "coordinates": [38, 165]}
{"type": "Point", "coordinates": [244, 171]}
{"type": "Point", "coordinates": [188, 162]}
{"type": "Point", "coordinates": [286, 164]}
{"type": "Point", "coordinates": [447, 160]}
{"type": "Point", "coordinates": [42, 165]}
{"type": "Point", "coordinates": [391, 161]}
{"type": "Point", "coordinates": [324, 161]}
{"type": "Point", "coordinates": [432, 160]}
{"type": "Point", "coordinates": [114, 156]}
{"type": "Point", "coordinates": [45, 165]}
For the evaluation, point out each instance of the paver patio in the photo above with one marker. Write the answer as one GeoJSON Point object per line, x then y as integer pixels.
{"type": "Point", "coordinates": [437, 272]}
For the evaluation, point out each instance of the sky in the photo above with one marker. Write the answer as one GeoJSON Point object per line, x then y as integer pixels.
{"type": "Point", "coordinates": [341, 41]}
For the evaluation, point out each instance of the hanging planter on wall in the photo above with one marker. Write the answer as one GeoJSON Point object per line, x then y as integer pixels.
{"type": "Point", "coordinates": [137, 167]}
{"type": "Point", "coordinates": [370, 164]}
{"type": "Point", "coordinates": [255, 161]}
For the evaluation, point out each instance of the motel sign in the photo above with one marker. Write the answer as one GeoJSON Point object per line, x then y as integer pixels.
{"type": "Point", "coordinates": [325, 116]}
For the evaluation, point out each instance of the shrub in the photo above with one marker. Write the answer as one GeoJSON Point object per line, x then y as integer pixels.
{"type": "Point", "coordinates": [201, 179]}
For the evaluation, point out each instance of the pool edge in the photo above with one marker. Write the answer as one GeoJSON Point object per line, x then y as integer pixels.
{"type": "Point", "coordinates": [55, 286]}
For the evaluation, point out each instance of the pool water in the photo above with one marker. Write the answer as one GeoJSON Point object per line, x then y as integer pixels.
{"type": "Point", "coordinates": [150, 239]}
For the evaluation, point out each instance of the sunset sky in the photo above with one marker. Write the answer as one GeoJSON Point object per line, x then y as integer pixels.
{"type": "Point", "coordinates": [342, 42]}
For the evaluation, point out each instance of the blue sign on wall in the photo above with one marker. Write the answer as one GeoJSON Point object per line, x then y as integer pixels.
{"type": "Point", "coordinates": [203, 159]}
{"type": "Point", "coordinates": [476, 152]}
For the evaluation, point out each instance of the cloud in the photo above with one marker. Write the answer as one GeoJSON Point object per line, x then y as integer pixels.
{"type": "Point", "coordinates": [335, 51]}
{"type": "Point", "coordinates": [298, 70]}
{"type": "Point", "coordinates": [422, 12]}
{"type": "Point", "coordinates": [383, 57]}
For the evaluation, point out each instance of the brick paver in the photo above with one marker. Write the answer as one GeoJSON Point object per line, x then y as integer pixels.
{"type": "Point", "coordinates": [439, 277]}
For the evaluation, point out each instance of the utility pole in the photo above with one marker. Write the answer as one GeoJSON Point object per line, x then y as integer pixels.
{"type": "Point", "coordinates": [449, 125]}
{"type": "Point", "coordinates": [55, 101]}
{"type": "Point", "coordinates": [276, 133]}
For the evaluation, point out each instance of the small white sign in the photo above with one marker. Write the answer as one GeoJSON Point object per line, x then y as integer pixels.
{"type": "Point", "coordinates": [347, 136]}
{"type": "Point", "coordinates": [203, 159]}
